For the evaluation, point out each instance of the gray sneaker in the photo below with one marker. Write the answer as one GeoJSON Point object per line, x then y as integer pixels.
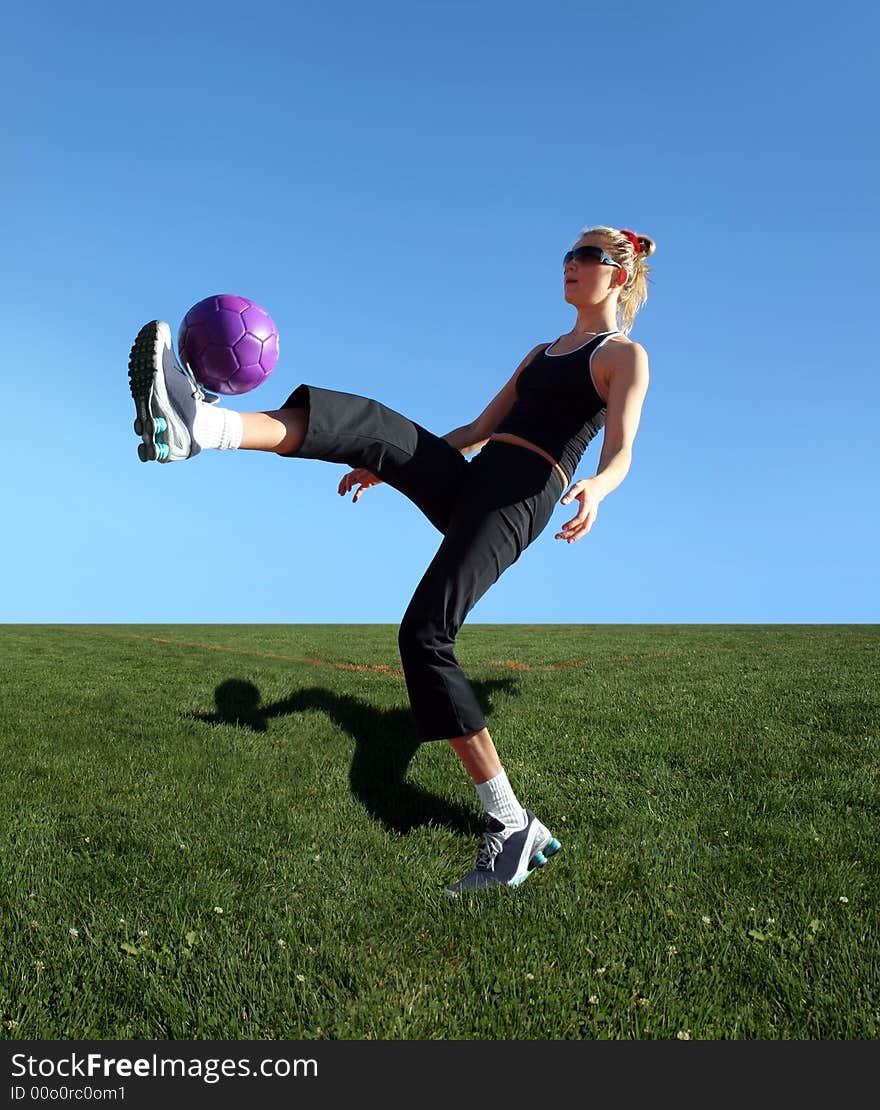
{"type": "Point", "coordinates": [166, 396]}
{"type": "Point", "coordinates": [508, 858]}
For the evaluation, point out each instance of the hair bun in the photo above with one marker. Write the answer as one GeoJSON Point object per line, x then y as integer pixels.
{"type": "Point", "coordinates": [647, 244]}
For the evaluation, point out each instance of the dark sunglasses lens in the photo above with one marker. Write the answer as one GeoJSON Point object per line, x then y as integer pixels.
{"type": "Point", "coordinates": [580, 254]}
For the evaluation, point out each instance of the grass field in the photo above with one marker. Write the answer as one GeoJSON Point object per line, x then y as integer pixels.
{"type": "Point", "coordinates": [226, 832]}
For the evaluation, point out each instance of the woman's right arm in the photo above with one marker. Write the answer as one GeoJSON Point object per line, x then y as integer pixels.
{"type": "Point", "coordinates": [471, 437]}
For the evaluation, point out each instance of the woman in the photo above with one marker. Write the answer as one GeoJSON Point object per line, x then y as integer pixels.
{"type": "Point", "coordinates": [530, 439]}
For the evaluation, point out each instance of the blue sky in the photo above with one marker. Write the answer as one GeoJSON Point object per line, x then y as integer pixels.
{"type": "Point", "coordinates": [396, 184]}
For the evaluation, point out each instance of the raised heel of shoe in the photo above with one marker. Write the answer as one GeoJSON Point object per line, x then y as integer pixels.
{"type": "Point", "coordinates": [151, 426]}
{"type": "Point", "coordinates": [542, 854]}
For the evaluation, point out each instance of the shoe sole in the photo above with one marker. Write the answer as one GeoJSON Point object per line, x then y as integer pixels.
{"type": "Point", "coordinates": [143, 360]}
{"type": "Point", "coordinates": [147, 383]}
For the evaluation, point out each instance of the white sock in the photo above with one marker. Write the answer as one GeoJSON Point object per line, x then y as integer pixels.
{"type": "Point", "coordinates": [499, 801]}
{"type": "Point", "coordinates": [217, 427]}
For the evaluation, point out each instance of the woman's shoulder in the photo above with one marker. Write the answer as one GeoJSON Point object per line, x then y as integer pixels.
{"type": "Point", "coordinates": [620, 348]}
{"type": "Point", "coordinates": [622, 340]}
{"type": "Point", "coordinates": [620, 355]}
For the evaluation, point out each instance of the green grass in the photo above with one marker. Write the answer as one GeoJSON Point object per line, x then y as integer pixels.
{"type": "Point", "coordinates": [715, 789]}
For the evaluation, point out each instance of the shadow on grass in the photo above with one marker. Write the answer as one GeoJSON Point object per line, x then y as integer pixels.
{"type": "Point", "coordinates": [383, 749]}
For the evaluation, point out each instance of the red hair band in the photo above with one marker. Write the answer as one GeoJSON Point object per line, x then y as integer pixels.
{"type": "Point", "coordinates": [633, 238]}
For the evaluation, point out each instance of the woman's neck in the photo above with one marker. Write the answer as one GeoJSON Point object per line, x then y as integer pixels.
{"type": "Point", "coordinates": [592, 326]}
{"type": "Point", "coordinates": [578, 330]}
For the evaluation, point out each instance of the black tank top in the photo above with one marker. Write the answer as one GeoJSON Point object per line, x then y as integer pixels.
{"type": "Point", "coordinates": [557, 404]}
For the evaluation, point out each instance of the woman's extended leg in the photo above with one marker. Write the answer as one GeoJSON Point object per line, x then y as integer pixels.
{"type": "Point", "coordinates": [174, 422]}
{"type": "Point", "coordinates": [282, 431]}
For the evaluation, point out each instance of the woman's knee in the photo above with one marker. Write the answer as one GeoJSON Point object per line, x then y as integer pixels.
{"type": "Point", "coordinates": [421, 635]}
{"type": "Point", "coordinates": [409, 636]}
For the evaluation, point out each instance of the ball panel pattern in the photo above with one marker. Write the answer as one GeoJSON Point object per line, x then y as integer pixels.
{"type": "Point", "coordinates": [230, 343]}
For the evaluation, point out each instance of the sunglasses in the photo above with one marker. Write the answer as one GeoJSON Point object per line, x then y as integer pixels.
{"type": "Point", "coordinates": [595, 254]}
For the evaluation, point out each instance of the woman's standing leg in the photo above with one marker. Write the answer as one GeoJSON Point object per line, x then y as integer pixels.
{"type": "Point", "coordinates": [485, 536]}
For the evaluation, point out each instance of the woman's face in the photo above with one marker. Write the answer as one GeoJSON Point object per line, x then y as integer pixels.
{"type": "Point", "coordinates": [586, 281]}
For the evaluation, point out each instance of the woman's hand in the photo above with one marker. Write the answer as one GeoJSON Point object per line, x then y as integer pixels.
{"type": "Point", "coordinates": [589, 499]}
{"type": "Point", "coordinates": [361, 478]}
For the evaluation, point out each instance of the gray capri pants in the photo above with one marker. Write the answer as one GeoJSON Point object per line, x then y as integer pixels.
{"type": "Point", "coordinates": [489, 510]}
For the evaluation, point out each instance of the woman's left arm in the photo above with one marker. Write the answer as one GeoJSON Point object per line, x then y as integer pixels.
{"type": "Point", "coordinates": [628, 384]}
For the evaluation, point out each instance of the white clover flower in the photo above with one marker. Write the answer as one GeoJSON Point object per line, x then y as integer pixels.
{"type": "Point", "coordinates": [683, 1034]}
{"type": "Point", "coordinates": [706, 920]}
{"type": "Point", "coordinates": [218, 909]}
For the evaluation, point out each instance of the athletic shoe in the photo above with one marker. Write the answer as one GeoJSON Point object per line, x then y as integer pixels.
{"type": "Point", "coordinates": [508, 858]}
{"type": "Point", "coordinates": [166, 396]}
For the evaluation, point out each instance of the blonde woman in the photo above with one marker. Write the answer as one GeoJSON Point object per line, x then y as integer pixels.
{"type": "Point", "coordinates": [526, 445]}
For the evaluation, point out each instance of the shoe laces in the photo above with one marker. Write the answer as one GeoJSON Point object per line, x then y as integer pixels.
{"type": "Point", "coordinates": [198, 392]}
{"type": "Point", "coordinates": [489, 851]}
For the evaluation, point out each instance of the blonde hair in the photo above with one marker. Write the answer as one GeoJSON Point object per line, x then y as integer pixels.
{"type": "Point", "coordinates": [634, 292]}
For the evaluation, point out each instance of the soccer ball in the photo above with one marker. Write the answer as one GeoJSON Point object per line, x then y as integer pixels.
{"type": "Point", "coordinates": [229, 343]}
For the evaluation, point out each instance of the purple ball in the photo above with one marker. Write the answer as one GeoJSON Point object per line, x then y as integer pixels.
{"type": "Point", "coordinates": [230, 343]}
